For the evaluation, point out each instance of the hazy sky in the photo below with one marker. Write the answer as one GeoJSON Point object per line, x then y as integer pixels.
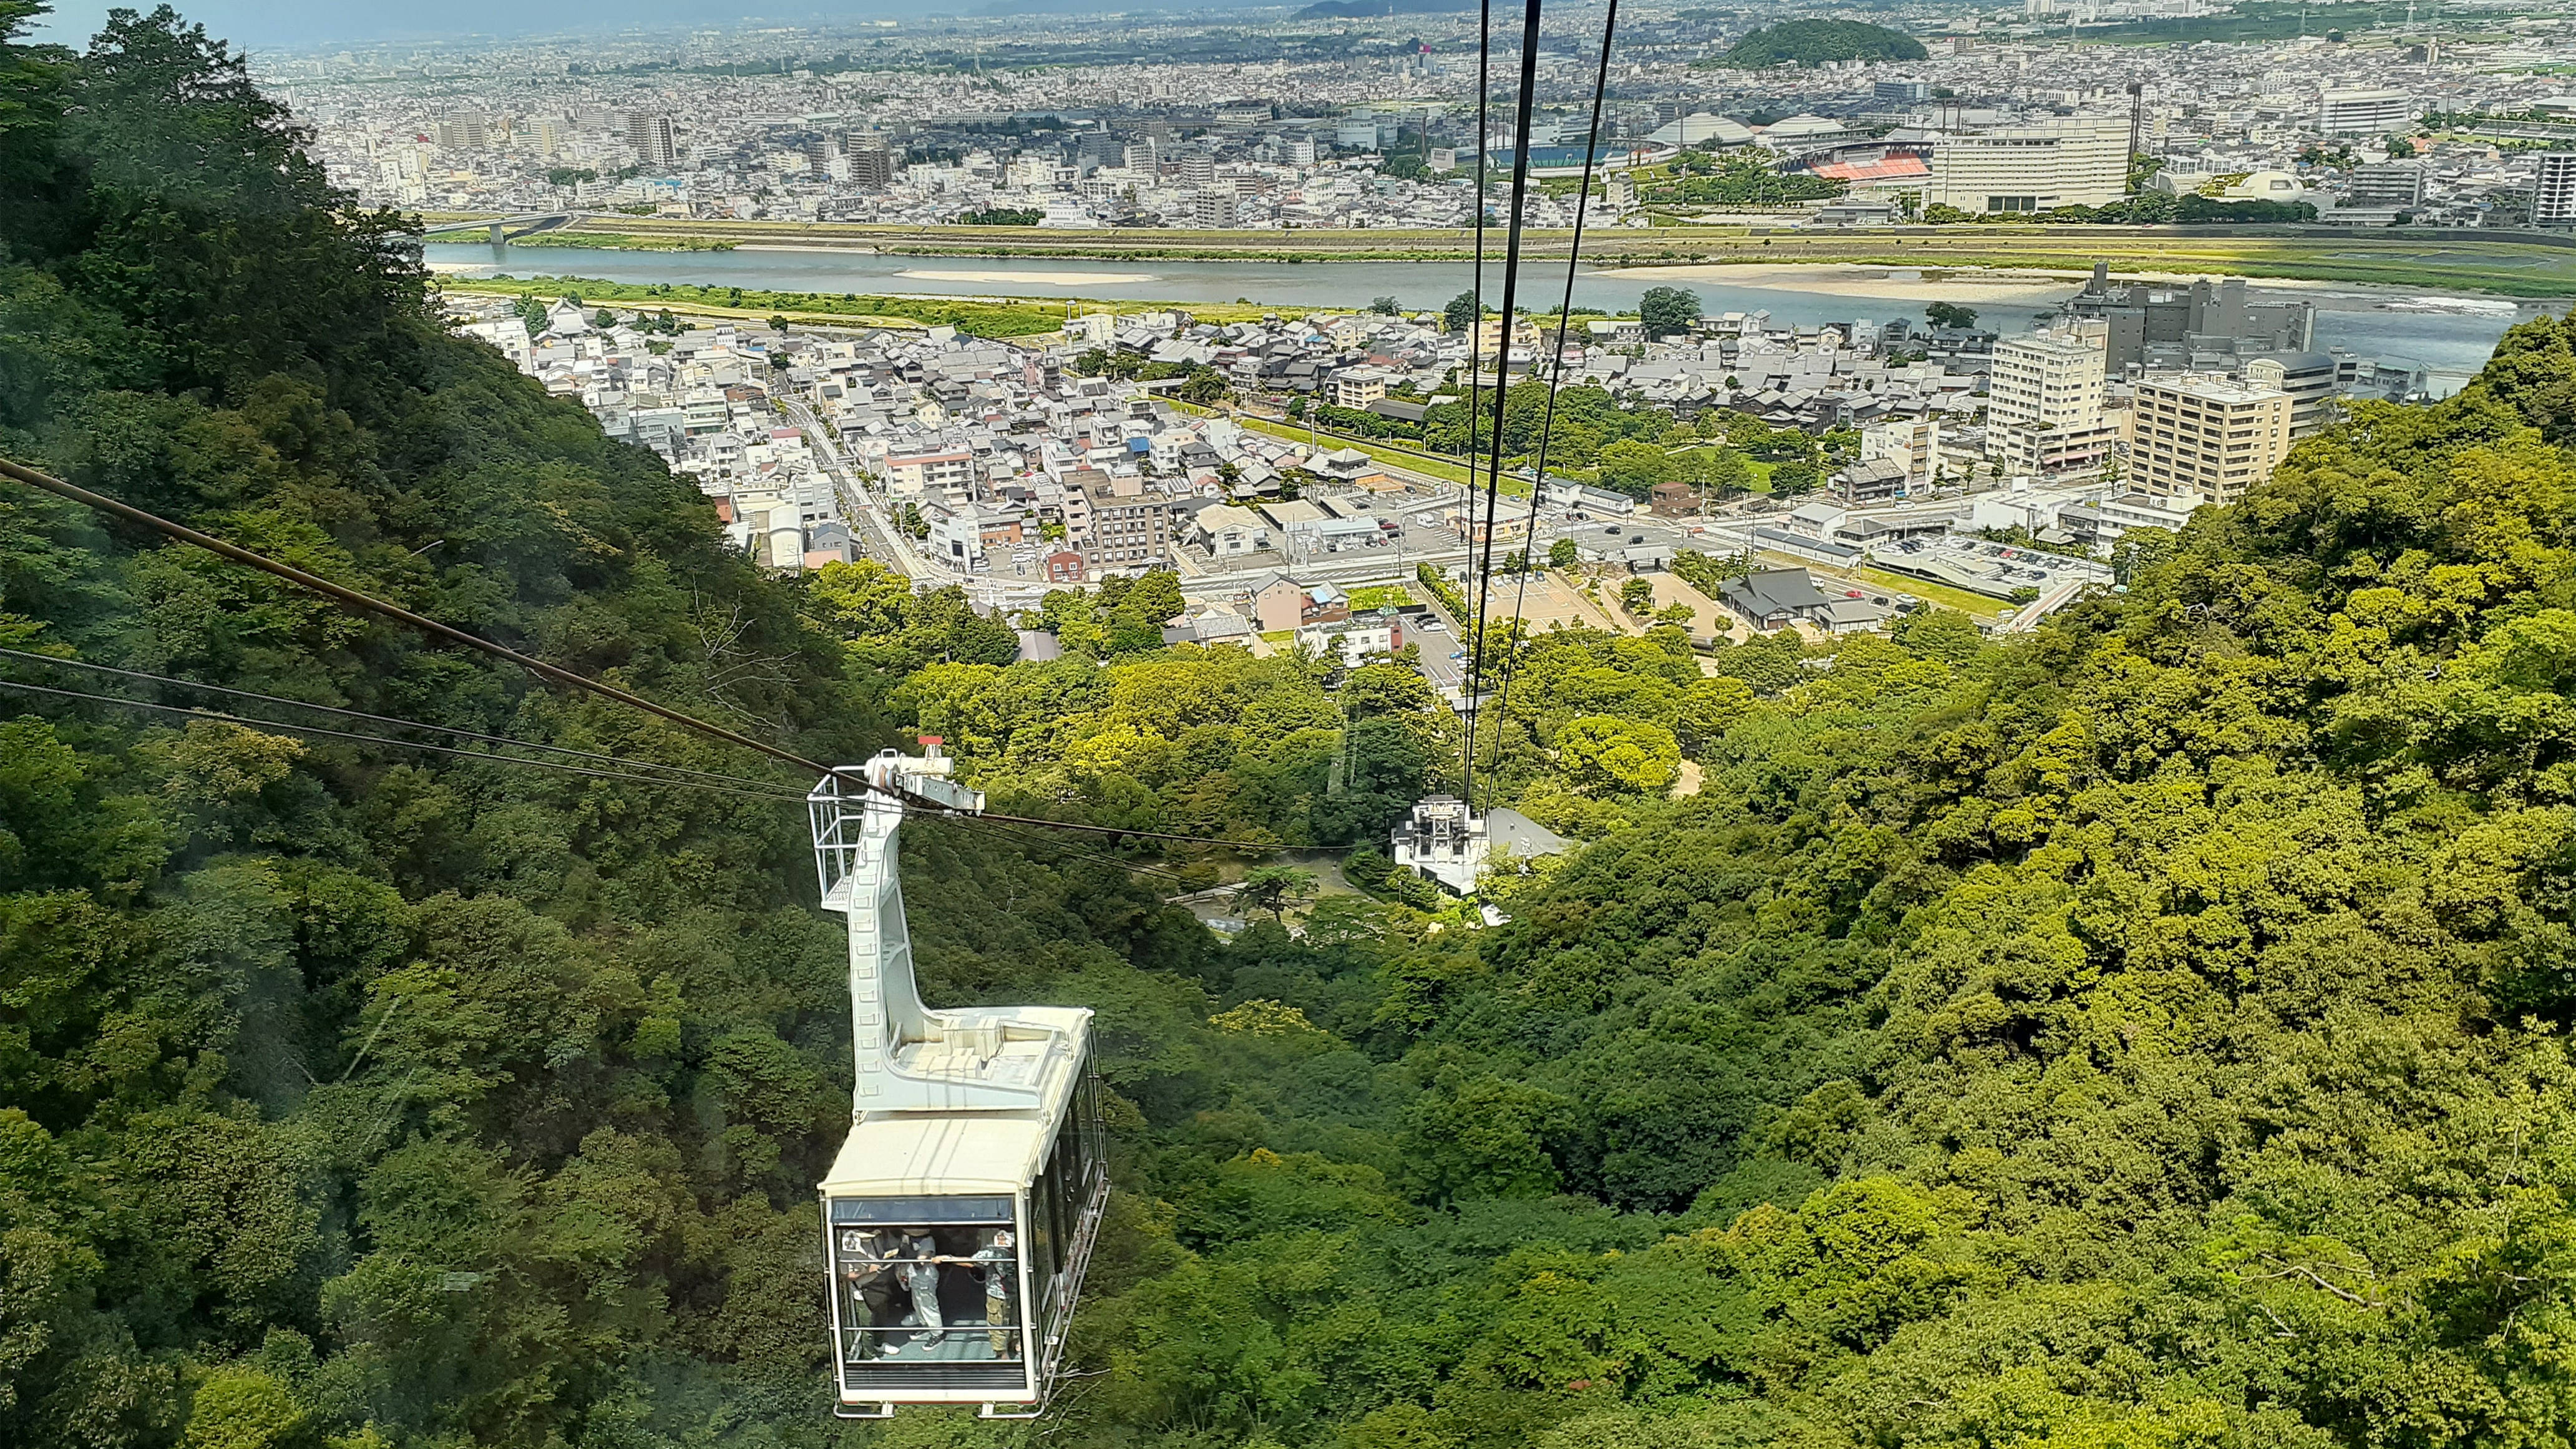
{"type": "Point", "coordinates": [265, 24]}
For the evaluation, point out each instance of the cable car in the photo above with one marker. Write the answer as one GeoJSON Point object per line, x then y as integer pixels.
{"type": "Point", "coordinates": [962, 1208]}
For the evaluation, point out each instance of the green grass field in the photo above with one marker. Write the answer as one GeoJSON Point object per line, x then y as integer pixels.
{"type": "Point", "coordinates": [1931, 593]}
{"type": "Point", "coordinates": [1380, 596]}
{"type": "Point", "coordinates": [1394, 455]}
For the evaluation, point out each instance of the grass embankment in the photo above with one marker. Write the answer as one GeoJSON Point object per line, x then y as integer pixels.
{"type": "Point", "coordinates": [975, 316]}
{"type": "Point", "coordinates": [623, 241]}
{"type": "Point", "coordinates": [2522, 269]}
{"type": "Point", "coordinates": [2422, 261]}
{"type": "Point", "coordinates": [976, 319]}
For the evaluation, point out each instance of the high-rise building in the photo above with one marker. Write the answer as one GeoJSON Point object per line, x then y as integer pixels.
{"type": "Point", "coordinates": [2071, 161]}
{"type": "Point", "coordinates": [464, 131]}
{"type": "Point", "coordinates": [539, 135]}
{"type": "Point", "coordinates": [1900, 92]}
{"type": "Point", "coordinates": [872, 170]}
{"type": "Point", "coordinates": [1095, 149]}
{"type": "Point", "coordinates": [2363, 111]}
{"type": "Point", "coordinates": [2553, 189]}
{"type": "Point", "coordinates": [1198, 168]}
{"type": "Point", "coordinates": [2206, 437]}
{"type": "Point", "coordinates": [2044, 401]}
{"type": "Point", "coordinates": [656, 147]}
{"type": "Point", "coordinates": [2386, 183]}
{"type": "Point", "coordinates": [869, 159]}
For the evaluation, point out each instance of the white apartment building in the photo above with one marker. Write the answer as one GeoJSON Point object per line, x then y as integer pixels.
{"type": "Point", "coordinates": [2364, 111]}
{"type": "Point", "coordinates": [2195, 435]}
{"type": "Point", "coordinates": [1913, 444]}
{"type": "Point", "coordinates": [1357, 387]}
{"type": "Point", "coordinates": [2044, 410]}
{"type": "Point", "coordinates": [2553, 189]}
{"type": "Point", "coordinates": [916, 473]}
{"type": "Point", "coordinates": [2073, 161]}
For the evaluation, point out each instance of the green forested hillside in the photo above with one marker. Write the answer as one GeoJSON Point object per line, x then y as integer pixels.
{"type": "Point", "coordinates": [2148, 1032]}
{"type": "Point", "coordinates": [1816, 42]}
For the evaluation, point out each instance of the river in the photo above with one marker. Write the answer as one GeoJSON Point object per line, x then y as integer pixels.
{"type": "Point", "coordinates": [2449, 337]}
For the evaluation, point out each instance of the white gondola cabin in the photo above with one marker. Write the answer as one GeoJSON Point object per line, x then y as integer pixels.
{"type": "Point", "coordinates": [961, 1210]}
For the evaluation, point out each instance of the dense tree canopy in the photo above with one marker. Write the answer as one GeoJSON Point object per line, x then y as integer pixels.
{"type": "Point", "coordinates": [1816, 42]}
{"type": "Point", "coordinates": [2149, 1031]}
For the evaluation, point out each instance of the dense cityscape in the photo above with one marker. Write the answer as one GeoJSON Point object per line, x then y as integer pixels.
{"type": "Point", "coordinates": [933, 122]}
{"type": "Point", "coordinates": [1289, 446]}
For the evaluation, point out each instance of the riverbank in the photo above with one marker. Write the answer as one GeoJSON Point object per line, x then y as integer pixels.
{"type": "Point", "coordinates": [2018, 286]}
{"type": "Point", "coordinates": [976, 317]}
{"type": "Point", "coordinates": [1026, 318]}
{"type": "Point", "coordinates": [2449, 335]}
{"type": "Point", "coordinates": [2521, 266]}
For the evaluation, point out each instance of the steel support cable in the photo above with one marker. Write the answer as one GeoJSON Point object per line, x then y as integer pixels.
{"type": "Point", "coordinates": [1026, 838]}
{"type": "Point", "coordinates": [373, 605]}
{"type": "Point", "coordinates": [1555, 365]}
{"type": "Point", "coordinates": [1151, 834]}
{"type": "Point", "coordinates": [1502, 376]}
{"type": "Point", "coordinates": [452, 731]}
{"type": "Point", "coordinates": [370, 604]}
{"type": "Point", "coordinates": [781, 794]}
{"type": "Point", "coordinates": [1476, 324]}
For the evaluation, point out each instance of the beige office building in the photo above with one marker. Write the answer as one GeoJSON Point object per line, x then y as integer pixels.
{"type": "Point", "coordinates": [2044, 410]}
{"type": "Point", "coordinates": [2206, 437]}
{"type": "Point", "coordinates": [2071, 161]}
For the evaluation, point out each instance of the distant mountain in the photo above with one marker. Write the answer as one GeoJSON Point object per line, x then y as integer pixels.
{"type": "Point", "coordinates": [1812, 42]}
{"type": "Point", "coordinates": [1355, 9]}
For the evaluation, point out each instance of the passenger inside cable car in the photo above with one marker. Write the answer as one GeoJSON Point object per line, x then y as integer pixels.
{"type": "Point", "coordinates": [929, 1292]}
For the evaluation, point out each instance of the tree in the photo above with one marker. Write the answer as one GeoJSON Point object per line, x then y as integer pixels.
{"type": "Point", "coordinates": [1667, 310]}
{"type": "Point", "coordinates": [1600, 752]}
{"type": "Point", "coordinates": [1385, 306]}
{"type": "Point", "coordinates": [1950, 314]}
{"type": "Point", "coordinates": [1636, 596]}
{"type": "Point", "coordinates": [1634, 468]}
{"type": "Point", "coordinates": [1461, 312]}
{"type": "Point", "coordinates": [1274, 888]}
{"type": "Point", "coordinates": [1797, 476]}
{"type": "Point", "coordinates": [1728, 473]}
{"type": "Point", "coordinates": [1205, 385]}
{"type": "Point", "coordinates": [1562, 554]}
